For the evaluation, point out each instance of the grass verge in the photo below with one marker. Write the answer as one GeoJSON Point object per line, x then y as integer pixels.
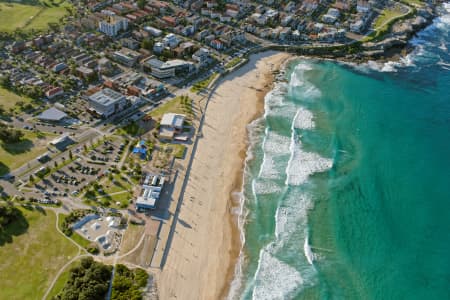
{"type": "Point", "coordinates": [32, 256]}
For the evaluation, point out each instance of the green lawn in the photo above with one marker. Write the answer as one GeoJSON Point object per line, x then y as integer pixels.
{"type": "Point", "coordinates": [15, 155]}
{"type": "Point", "coordinates": [233, 62]}
{"type": "Point", "coordinates": [50, 14]}
{"type": "Point", "coordinates": [386, 16]}
{"type": "Point", "coordinates": [119, 185]}
{"type": "Point", "coordinates": [74, 236]}
{"type": "Point", "coordinates": [178, 150]}
{"type": "Point", "coordinates": [35, 15]}
{"type": "Point", "coordinates": [417, 3]}
{"type": "Point", "coordinates": [13, 15]}
{"type": "Point", "coordinates": [123, 198]}
{"type": "Point", "coordinates": [31, 259]}
{"type": "Point", "coordinates": [107, 200]}
{"type": "Point", "coordinates": [62, 279]}
{"type": "Point", "coordinates": [173, 106]}
{"type": "Point", "coordinates": [203, 84]}
{"type": "Point", "coordinates": [9, 99]}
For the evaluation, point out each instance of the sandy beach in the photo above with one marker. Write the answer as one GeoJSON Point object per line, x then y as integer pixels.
{"type": "Point", "coordinates": [206, 243]}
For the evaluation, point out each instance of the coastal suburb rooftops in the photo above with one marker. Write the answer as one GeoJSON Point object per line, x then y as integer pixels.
{"type": "Point", "coordinates": [52, 114]}
{"type": "Point", "coordinates": [156, 63]}
{"type": "Point", "coordinates": [106, 97]}
{"type": "Point", "coordinates": [173, 120]}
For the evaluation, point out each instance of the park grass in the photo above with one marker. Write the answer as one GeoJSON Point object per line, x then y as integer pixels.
{"type": "Point", "coordinates": [52, 13]}
{"type": "Point", "coordinates": [74, 236]}
{"type": "Point", "coordinates": [416, 3]}
{"type": "Point", "coordinates": [37, 17]}
{"type": "Point", "coordinates": [197, 87]}
{"type": "Point", "coordinates": [131, 237]}
{"type": "Point", "coordinates": [9, 99]}
{"type": "Point", "coordinates": [30, 261]}
{"type": "Point", "coordinates": [233, 62]}
{"type": "Point", "coordinates": [15, 155]}
{"type": "Point", "coordinates": [178, 150]}
{"type": "Point", "coordinates": [14, 15]}
{"type": "Point", "coordinates": [122, 198]}
{"type": "Point", "coordinates": [61, 281]}
{"type": "Point", "coordinates": [121, 185]}
{"type": "Point", "coordinates": [175, 105]}
{"type": "Point", "coordinates": [386, 16]}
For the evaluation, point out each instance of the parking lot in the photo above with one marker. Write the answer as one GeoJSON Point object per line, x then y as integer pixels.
{"type": "Point", "coordinates": [69, 180]}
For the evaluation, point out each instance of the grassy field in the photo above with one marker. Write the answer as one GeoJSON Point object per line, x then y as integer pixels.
{"type": "Point", "coordinates": [14, 15]}
{"type": "Point", "coordinates": [233, 62]}
{"type": "Point", "coordinates": [203, 84]}
{"type": "Point", "coordinates": [15, 155]}
{"type": "Point", "coordinates": [35, 15]}
{"type": "Point", "coordinates": [32, 256]}
{"type": "Point", "coordinates": [178, 150]}
{"type": "Point", "coordinates": [173, 106]}
{"type": "Point", "coordinates": [386, 16]}
{"type": "Point", "coordinates": [417, 3]}
{"type": "Point", "coordinates": [75, 236]}
{"type": "Point", "coordinates": [7, 98]}
{"type": "Point", "coordinates": [118, 185]}
{"type": "Point", "coordinates": [62, 279]}
{"type": "Point", "coordinates": [52, 13]}
{"type": "Point", "coordinates": [131, 237]}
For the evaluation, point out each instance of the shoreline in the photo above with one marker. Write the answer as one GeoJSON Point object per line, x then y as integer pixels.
{"type": "Point", "coordinates": [207, 242]}
{"type": "Point", "coordinates": [236, 192]}
{"type": "Point", "coordinates": [268, 83]}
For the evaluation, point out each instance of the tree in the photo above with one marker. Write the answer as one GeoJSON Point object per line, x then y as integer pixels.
{"type": "Point", "coordinates": [89, 280]}
{"type": "Point", "coordinates": [147, 43]}
{"type": "Point", "coordinates": [141, 3]}
{"type": "Point", "coordinates": [10, 135]}
{"type": "Point", "coordinates": [5, 81]}
{"type": "Point", "coordinates": [70, 154]}
{"type": "Point", "coordinates": [8, 214]}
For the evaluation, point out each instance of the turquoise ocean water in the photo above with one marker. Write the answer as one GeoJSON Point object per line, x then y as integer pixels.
{"type": "Point", "coordinates": [347, 183]}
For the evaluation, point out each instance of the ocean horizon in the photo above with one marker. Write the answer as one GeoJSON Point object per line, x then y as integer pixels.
{"type": "Point", "coordinates": [346, 183]}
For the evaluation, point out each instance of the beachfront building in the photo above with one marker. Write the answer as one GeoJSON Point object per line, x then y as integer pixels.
{"type": "Point", "coordinates": [151, 191]}
{"type": "Point", "coordinates": [106, 103]}
{"type": "Point", "coordinates": [167, 69]}
{"type": "Point", "coordinates": [171, 124]}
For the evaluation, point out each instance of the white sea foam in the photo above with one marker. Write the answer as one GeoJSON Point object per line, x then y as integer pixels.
{"type": "Point", "coordinates": [304, 119]}
{"type": "Point", "coordinates": [291, 215]}
{"type": "Point", "coordinates": [299, 87]}
{"type": "Point", "coordinates": [274, 279]}
{"type": "Point", "coordinates": [264, 187]}
{"type": "Point", "coordinates": [274, 146]}
{"type": "Point", "coordinates": [302, 164]}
